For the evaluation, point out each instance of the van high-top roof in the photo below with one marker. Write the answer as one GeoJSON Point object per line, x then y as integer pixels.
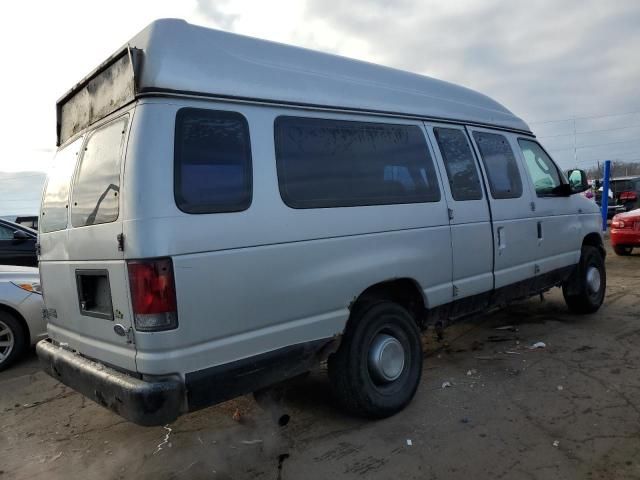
{"type": "Point", "coordinates": [171, 56]}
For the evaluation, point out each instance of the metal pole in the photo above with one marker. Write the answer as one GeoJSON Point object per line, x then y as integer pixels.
{"type": "Point", "coordinates": [605, 194]}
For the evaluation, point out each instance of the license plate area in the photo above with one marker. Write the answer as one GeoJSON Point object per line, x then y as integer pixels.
{"type": "Point", "coordinates": [94, 293]}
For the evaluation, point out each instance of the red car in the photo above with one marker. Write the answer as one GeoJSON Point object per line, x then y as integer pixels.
{"type": "Point", "coordinates": [625, 232]}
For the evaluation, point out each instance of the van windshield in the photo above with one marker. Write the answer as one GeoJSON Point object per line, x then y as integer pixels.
{"type": "Point", "coordinates": [56, 196]}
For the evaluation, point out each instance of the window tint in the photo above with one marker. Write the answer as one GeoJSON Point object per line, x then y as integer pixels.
{"type": "Point", "coordinates": [333, 163]}
{"type": "Point", "coordinates": [500, 163]}
{"type": "Point", "coordinates": [97, 185]}
{"type": "Point", "coordinates": [619, 186]}
{"type": "Point", "coordinates": [6, 233]}
{"type": "Point", "coordinates": [212, 161]}
{"type": "Point", "coordinates": [541, 168]}
{"type": "Point", "coordinates": [459, 163]}
{"type": "Point", "coordinates": [55, 207]}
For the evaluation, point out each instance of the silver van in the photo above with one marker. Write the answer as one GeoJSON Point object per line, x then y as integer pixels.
{"type": "Point", "coordinates": [225, 213]}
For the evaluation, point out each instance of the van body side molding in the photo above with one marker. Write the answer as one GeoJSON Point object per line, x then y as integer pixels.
{"type": "Point", "coordinates": [217, 384]}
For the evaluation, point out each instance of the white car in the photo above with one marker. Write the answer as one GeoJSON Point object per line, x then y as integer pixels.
{"type": "Point", "coordinates": [21, 320]}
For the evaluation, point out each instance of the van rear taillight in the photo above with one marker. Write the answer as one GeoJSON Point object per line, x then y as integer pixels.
{"type": "Point", "coordinates": [153, 294]}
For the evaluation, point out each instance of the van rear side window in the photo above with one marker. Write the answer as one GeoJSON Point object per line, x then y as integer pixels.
{"type": "Point", "coordinates": [500, 163]}
{"type": "Point", "coordinates": [97, 185]}
{"type": "Point", "coordinates": [335, 163]}
{"type": "Point", "coordinates": [212, 164]}
{"type": "Point", "coordinates": [55, 206]}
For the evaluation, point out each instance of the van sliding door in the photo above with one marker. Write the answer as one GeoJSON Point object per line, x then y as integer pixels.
{"type": "Point", "coordinates": [471, 238]}
{"type": "Point", "coordinates": [514, 229]}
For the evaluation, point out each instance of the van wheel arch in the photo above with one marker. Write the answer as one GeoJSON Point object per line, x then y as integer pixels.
{"type": "Point", "coordinates": [595, 240]}
{"type": "Point", "coordinates": [403, 291]}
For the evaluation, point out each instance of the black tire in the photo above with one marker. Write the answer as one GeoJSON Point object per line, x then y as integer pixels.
{"type": "Point", "coordinates": [622, 251]}
{"type": "Point", "coordinates": [10, 331]}
{"type": "Point", "coordinates": [352, 382]}
{"type": "Point", "coordinates": [578, 294]}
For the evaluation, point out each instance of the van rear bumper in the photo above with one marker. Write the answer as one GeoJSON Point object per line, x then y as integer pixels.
{"type": "Point", "coordinates": [143, 402]}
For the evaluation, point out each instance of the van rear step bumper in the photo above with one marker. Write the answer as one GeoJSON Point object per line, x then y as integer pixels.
{"type": "Point", "coordinates": [142, 402]}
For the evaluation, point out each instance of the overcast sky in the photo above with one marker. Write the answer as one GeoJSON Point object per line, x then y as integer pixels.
{"type": "Point", "coordinates": [547, 60]}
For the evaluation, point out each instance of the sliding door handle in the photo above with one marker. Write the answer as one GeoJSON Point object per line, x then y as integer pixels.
{"type": "Point", "coordinates": [540, 237]}
{"type": "Point", "coordinates": [502, 243]}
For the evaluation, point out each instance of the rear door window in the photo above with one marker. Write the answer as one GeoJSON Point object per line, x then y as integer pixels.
{"type": "Point", "coordinates": [619, 186]}
{"type": "Point", "coordinates": [459, 163]}
{"type": "Point", "coordinates": [97, 186]}
{"type": "Point", "coordinates": [55, 206]}
{"type": "Point", "coordinates": [212, 165]}
{"type": "Point", "coordinates": [500, 164]}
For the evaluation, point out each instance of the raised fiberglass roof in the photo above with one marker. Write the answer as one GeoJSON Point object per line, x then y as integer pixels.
{"type": "Point", "coordinates": [184, 58]}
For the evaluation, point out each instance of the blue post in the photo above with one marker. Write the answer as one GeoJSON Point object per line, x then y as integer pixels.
{"type": "Point", "coordinates": [604, 203]}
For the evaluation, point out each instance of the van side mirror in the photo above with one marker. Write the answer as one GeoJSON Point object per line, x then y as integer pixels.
{"type": "Point", "coordinates": [578, 181]}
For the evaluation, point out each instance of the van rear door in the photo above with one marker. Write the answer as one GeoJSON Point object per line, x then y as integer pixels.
{"type": "Point", "coordinates": [82, 265]}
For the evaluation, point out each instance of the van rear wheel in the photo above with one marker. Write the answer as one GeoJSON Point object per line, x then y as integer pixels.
{"type": "Point", "coordinates": [585, 289]}
{"type": "Point", "coordinates": [376, 370]}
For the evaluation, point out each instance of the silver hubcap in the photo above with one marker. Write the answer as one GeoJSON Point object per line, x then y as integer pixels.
{"type": "Point", "coordinates": [593, 279]}
{"type": "Point", "coordinates": [6, 341]}
{"type": "Point", "coordinates": [386, 358]}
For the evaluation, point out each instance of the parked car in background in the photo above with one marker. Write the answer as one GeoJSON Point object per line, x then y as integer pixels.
{"type": "Point", "coordinates": [21, 320]}
{"type": "Point", "coordinates": [30, 221]}
{"type": "Point", "coordinates": [17, 244]}
{"type": "Point", "coordinates": [625, 232]}
{"type": "Point", "coordinates": [624, 195]}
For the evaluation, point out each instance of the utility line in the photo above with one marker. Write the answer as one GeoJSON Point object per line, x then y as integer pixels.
{"type": "Point", "coordinates": [595, 145]}
{"type": "Point", "coordinates": [629, 160]}
{"type": "Point", "coordinates": [24, 198]}
{"type": "Point", "coordinates": [586, 117]}
{"type": "Point", "coordinates": [23, 176]}
{"type": "Point", "coordinates": [590, 131]}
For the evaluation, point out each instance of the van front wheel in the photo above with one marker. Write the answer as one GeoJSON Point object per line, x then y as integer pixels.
{"type": "Point", "coordinates": [584, 290]}
{"type": "Point", "coordinates": [376, 370]}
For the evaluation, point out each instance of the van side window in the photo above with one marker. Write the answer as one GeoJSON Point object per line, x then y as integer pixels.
{"type": "Point", "coordinates": [459, 163]}
{"type": "Point", "coordinates": [500, 163]}
{"type": "Point", "coordinates": [97, 185]}
{"type": "Point", "coordinates": [335, 163]}
{"type": "Point", "coordinates": [212, 161]}
{"type": "Point", "coordinates": [542, 170]}
{"type": "Point", "coordinates": [54, 214]}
